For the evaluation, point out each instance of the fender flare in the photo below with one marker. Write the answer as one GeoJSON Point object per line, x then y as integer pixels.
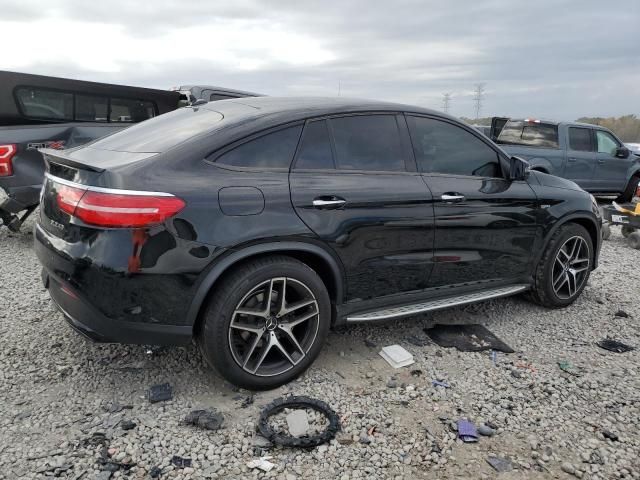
{"type": "Point", "coordinates": [237, 255]}
{"type": "Point", "coordinates": [564, 220]}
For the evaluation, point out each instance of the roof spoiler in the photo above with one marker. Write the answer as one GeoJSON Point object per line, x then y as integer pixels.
{"type": "Point", "coordinates": [62, 158]}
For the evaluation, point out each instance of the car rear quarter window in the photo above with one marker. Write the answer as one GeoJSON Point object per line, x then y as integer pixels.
{"type": "Point", "coordinates": [529, 133]}
{"type": "Point", "coordinates": [580, 139]}
{"type": "Point", "coordinates": [315, 147]}
{"type": "Point", "coordinates": [273, 150]}
{"type": "Point", "coordinates": [45, 104]}
{"type": "Point", "coordinates": [441, 147]}
{"type": "Point", "coordinates": [368, 142]}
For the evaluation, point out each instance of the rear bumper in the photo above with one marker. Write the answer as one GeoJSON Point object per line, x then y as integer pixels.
{"type": "Point", "coordinates": [17, 199]}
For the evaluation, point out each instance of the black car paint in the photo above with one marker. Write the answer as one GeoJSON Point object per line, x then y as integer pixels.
{"type": "Point", "coordinates": [382, 248]}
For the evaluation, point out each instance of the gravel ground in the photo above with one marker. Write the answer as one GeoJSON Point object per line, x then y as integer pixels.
{"type": "Point", "coordinates": [64, 402]}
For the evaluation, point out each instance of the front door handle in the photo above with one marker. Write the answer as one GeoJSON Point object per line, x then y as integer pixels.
{"type": "Point", "coordinates": [452, 197]}
{"type": "Point", "coordinates": [328, 202]}
{"type": "Point", "coordinates": [571, 159]}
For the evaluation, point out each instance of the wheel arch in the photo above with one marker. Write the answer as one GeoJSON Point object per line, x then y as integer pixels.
{"type": "Point", "coordinates": [321, 261]}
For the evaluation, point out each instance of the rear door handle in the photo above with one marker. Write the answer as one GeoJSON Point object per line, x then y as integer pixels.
{"type": "Point", "coordinates": [328, 202]}
{"type": "Point", "coordinates": [452, 197]}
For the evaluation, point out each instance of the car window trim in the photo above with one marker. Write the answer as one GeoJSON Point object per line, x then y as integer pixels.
{"type": "Point", "coordinates": [212, 158]}
{"type": "Point", "coordinates": [500, 156]}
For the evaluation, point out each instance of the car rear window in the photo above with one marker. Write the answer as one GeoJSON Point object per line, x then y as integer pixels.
{"type": "Point", "coordinates": [161, 133]}
{"type": "Point", "coordinates": [529, 133]}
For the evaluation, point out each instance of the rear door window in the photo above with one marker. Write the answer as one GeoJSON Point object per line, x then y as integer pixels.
{"type": "Point", "coordinates": [45, 104]}
{"type": "Point", "coordinates": [368, 142]}
{"type": "Point", "coordinates": [580, 139]}
{"type": "Point", "coordinates": [315, 147]}
{"type": "Point", "coordinates": [529, 133]}
{"type": "Point", "coordinates": [273, 150]}
{"type": "Point", "coordinates": [441, 147]}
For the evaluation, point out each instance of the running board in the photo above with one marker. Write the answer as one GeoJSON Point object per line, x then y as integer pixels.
{"type": "Point", "coordinates": [438, 304]}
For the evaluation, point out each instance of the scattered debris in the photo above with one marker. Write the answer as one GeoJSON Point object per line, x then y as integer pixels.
{"type": "Point", "coordinates": [499, 464]}
{"type": "Point", "coordinates": [298, 423]}
{"type": "Point", "coordinates": [340, 375]}
{"type": "Point", "coordinates": [370, 343]}
{"type": "Point", "coordinates": [622, 313]}
{"type": "Point", "coordinates": [262, 463]}
{"type": "Point", "coordinates": [248, 400]}
{"type": "Point", "coordinates": [300, 402]}
{"type": "Point", "coordinates": [396, 356]}
{"type": "Point", "coordinates": [567, 367]}
{"type": "Point", "coordinates": [181, 462]}
{"type": "Point", "coordinates": [207, 419]}
{"type": "Point", "coordinates": [467, 338]}
{"type": "Point", "coordinates": [160, 393]}
{"type": "Point", "coordinates": [392, 383]}
{"type": "Point", "coordinates": [128, 425]}
{"type": "Point", "coordinates": [115, 407]}
{"type": "Point", "coordinates": [467, 431]}
{"type": "Point", "coordinates": [486, 431]}
{"type": "Point", "coordinates": [416, 372]}
{"type": "Point", "coordinates": [155, 472]}
{"type": "Point", "coordinates": [614, 346]}
{"type": "Point", "coordinates": [610, 435]}
{"type": "Point", "coordinates": [494, 357]}
{"type": "Point", "coordinates": [418, 340]}
{"type": "Point", "coordinates": [440, 383]}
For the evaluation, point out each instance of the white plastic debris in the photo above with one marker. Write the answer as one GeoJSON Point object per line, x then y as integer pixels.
{"type": "Point", "coordinates": [396, 356]}
{"type": "Point", "coordinates": [298, 423]}
{"type": "Point", "coordinates": [262, 463]}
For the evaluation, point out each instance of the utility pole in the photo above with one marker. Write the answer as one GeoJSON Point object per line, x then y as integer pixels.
{"type": "Point", "coordinates": [478, 98]}
{"type": "Point", "coordinates": [446, 102]}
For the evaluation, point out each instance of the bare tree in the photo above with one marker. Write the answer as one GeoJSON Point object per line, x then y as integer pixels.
{"type": "Point", "coordinates": [446, 102]}
{"type": "Point", "coordinates": [478, 98]}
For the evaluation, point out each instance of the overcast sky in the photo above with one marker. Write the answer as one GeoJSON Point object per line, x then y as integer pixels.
{"type": "Point", "coordinates": [558, 59]}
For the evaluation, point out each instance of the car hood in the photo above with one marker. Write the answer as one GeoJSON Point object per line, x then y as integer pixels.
{"type": "Point", "coordinates": [547, 180]}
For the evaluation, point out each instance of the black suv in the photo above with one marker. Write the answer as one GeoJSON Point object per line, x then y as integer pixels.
{"type": "Point", "coordinates": [252, 226]}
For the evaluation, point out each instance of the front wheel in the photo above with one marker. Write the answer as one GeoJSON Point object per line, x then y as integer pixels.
{"type": "Point", "coordinates": [564, 268]}
{"type": "Point", "coordinates": [266, 323]}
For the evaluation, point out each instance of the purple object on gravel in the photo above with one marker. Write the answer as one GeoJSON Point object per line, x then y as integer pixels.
{"type": "Point", "coordinates": [467, 431]}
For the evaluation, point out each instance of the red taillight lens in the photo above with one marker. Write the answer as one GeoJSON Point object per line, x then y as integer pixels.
{"type": "Point", "coordinates": [6, 155]}
{"type": "Point", "coordinates": [117, 210]}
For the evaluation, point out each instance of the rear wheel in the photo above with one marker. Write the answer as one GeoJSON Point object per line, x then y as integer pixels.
{"type": "Point", "coordinates": [266, 323]}
{"type": "Point", "coordinates": [627, 230]}
{"type": "Point", "coordinates": [634, 240]}
{"type": "Point", "coordinates": [564, 268]}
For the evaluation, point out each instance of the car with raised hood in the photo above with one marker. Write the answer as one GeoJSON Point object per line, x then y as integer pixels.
{"type": "Point", "coordinates": [38, 111]}
{"type": "Point", "coordinates": [253, 226]}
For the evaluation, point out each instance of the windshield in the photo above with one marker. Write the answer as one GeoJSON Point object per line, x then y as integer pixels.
{"type": "Point", "coordinates": [161, 133]}
{"type": "Point", "coordinates": [531, 134]}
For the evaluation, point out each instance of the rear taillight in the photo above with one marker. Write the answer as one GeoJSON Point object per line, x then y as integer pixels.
{"type": "Point", "coordinates": [117, 209]}
{"type": "Point", "coordinates": [6, 159]}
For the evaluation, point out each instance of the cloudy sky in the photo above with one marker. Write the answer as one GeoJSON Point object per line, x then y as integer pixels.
{"type": "Point", "coordinates": [558, 59]}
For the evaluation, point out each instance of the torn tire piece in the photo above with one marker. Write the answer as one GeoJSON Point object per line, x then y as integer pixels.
{"type": "Point", "coordinates": [301, 402]}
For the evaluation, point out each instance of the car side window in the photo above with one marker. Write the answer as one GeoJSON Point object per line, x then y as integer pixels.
{"type": "Point", "coordinates": [46, 104]}
{"type": "Point", "coordinates": [368, 142]}
{"type": "Point", "coordinates": [273, 150]}
{"type": "Point", "coordinates": [92, 109]}
{"type": "Point", "coordinates": [315, 147]}
{"type": "Point", "coordinates": [606, 143]}
{"type": "Point", "coordinates": [580, 139]}
{"type": "Point", "coordinates": [441, 147]}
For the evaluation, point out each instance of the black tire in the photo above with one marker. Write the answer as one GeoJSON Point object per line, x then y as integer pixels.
{"type": "Point", "coordinates": [626, 230]}
{"type": "Point", "coordinates": [215, 340]}
{"type": "Point", "coordinates": [627, 195]}
{"type": "Point", "coordinates": [634, 240]}
{"type": "Point", "coordinates": [606, 231]}
{"type": "Point", "coordinates": [543, 292]}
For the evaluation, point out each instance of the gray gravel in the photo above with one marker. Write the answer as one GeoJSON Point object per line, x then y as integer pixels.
{"type": "Point", "coordinates": [64, 401]}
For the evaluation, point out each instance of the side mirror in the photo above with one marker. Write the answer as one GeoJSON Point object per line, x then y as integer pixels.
{"type": "Point", "coordinates": [518, 169]}
{"type": "Point", "coordinates": [622, 152]}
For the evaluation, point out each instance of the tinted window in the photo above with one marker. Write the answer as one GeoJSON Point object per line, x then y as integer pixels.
{"type": "Point", "coordinates": [532, 134]}
{"type": "Point", "coordinates": [274, 150]}
{"type": "Point", "coordinates": [441, 147]}
{"type": "Point", "coordinates": [46, 104]}
{"type": "Point", "coordinates": [580, 139]}
{"type": "Point", "coordinates": [315, 148]}
{"type": "Point", "coordinates": [606, 143]}
{"type": "Point", "coordinates": [92, 109]}
{"type": "Point", "coordinates": [368, 142]}
{"type": "Point", "coordinates": [127, 110]}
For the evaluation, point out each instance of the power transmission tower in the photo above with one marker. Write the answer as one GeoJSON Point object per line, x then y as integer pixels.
{"type": "Point", "coordinates": [478, 98]}
{"type": "Point", "coordinates": [446, 102]}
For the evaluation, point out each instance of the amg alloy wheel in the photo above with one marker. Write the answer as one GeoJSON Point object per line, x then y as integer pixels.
{"type": "Point", "coordinates": [265, 322]}
{"type": "Point", "coordinates": [565, 266]}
